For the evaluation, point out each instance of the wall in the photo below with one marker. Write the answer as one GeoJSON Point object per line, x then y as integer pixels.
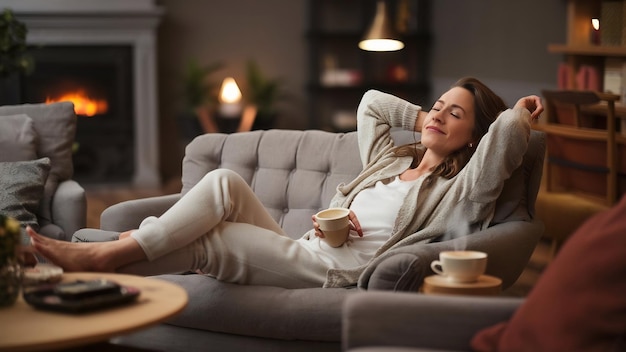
{"type": "Point", "coordinates": [504, 43]}
{"type": "Point", "coordinates": [501, 42]}
{"type": "Point", "coordinates": [272, 32]}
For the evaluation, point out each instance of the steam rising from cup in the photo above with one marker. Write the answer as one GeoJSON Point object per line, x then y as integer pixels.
{"type": "Point", "coordinates": [458, 229]}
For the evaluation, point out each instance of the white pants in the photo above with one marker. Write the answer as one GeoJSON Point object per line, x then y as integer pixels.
{"type": "Point", "coordinates": [221, 228]}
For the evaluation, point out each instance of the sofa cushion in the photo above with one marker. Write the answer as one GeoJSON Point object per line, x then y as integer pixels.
{"type": "Point", "coordinates": [579, 302]}
{"type": "Point", "coordinates": [55, 125]}
{"type": "Point", "coordinates": [22, 185]}
{"type": "Point", "coordinates": [18, 139]}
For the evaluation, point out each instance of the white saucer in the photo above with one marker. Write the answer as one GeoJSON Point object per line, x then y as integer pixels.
{"type": "Point", "coordinates": [42, 273]}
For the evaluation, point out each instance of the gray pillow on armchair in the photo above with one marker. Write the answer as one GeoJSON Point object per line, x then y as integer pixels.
{"type": "Point", "coordinates": [18, 138]}
{"type": "Point", "coordinates": [55, 126]}
{"type": "Point", "coordinates": [22, 185]}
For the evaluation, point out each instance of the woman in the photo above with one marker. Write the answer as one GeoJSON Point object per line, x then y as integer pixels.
{"type": "Point", "coordinates": [402, 196]}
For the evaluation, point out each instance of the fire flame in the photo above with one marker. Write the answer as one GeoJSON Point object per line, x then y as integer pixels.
{"type": "Point", "coordinates": [83, 105]}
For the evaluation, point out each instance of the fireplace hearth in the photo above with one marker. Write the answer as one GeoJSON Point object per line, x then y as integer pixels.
{"type": "Point", "coordinates": [105, 53]}
{"type": "Point", "coordinates": [98, 80]}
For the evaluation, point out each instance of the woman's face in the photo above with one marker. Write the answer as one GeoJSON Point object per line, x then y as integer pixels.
{"type": "Point", "coordinates": [450, 123]}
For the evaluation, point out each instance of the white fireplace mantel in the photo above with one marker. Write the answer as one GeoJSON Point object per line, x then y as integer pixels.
{"type": "Point", "coordinates": [111, 22]}
{"type": "Point", "coordinates": [77, 5]}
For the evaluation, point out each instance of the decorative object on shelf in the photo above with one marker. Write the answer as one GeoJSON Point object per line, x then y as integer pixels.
{"type": "Point", "coordinates": [614, 75]}
{"type": "Point", "coordinates": [264, 93]}
{"type": "Point", "coordinates": [344, 120]}
{"type": "Point", "coordinates": [380, 36]}
{"type": "Point", "coordinates": [341, 78]}
{"type": "Point", "coordinates": [397, 73]}
{"type": "Point", "coordinates": [333, 76]}
{"type": "Point", "coordinates": [612, 19]}
{"type": "Point", "coordinates": [595, 31]}
{"type": "Point", "coordinates": [10, 269]}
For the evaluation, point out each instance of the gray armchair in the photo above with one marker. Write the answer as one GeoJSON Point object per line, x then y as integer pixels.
{"type": "Point", "coordinates": [567, 310]}
{"type": "Point", "coordinates": [41, 187]}
{"type": "Point", "coordinates": [295, 174]}
{"type": "Point", "coordinates": [385, 321]}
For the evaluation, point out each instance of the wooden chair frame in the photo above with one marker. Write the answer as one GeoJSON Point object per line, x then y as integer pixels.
{"type": "Point", "coordinates": [582, 101]}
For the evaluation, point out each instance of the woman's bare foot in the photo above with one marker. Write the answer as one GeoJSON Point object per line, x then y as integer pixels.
{"type": "Point", "coordinates": [125, 234]}
{"type": "Point", "coordinates": [94, 256]}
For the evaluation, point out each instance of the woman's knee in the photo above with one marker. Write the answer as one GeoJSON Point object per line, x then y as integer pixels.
{"type": "Point", "coordinates": [225, 174]}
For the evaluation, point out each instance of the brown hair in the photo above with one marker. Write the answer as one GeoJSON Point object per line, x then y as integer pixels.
{"type": "Point", "coordinates": [487, 106]}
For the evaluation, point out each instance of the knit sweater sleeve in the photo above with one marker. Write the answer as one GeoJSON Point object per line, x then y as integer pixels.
{"type": "Point", "coordinates": [377, 113]}
{"type": "Point", "coordinates": [497, 155]}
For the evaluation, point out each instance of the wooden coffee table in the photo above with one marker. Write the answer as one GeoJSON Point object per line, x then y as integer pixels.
{"type": "Point", "coordinates": [23, 328]}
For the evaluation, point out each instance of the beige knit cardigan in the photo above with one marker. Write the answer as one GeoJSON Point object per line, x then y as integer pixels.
{"type": "Point", "coordinates": [426, 211]}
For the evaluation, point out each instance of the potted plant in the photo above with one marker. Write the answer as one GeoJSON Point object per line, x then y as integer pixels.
{"type": "Point", "coordinates": [199, 92]}
{"type": "Point", "coordinates": [14, 60]}
{"type": "Point", "coordinates": [10, 273]}
{"type": "Point", "coordinates": [263, 93]}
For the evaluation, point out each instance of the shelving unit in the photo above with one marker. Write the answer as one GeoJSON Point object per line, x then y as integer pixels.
{"type": "Point", "coordinates": [579, 50]}
{"type": "Point", "coordinates": [588, 50]}
{"type": "Point", "coordinates": [340, 72]}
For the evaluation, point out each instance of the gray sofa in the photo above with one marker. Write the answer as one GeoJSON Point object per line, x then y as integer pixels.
{"type": "Point", "coordinates": [295, 174]}
{"type": "Point", "coordinates": [42, 193]}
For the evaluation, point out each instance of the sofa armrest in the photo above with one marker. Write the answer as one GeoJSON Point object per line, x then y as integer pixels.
{"type": "Point", "coordinates": [129, 214]}
{"type": "Point", "coordinates": [69, 208]}
{"type": "Point", "coordinates": [393, 319]}
{"type": "Point", "coordinates": [509, 246]}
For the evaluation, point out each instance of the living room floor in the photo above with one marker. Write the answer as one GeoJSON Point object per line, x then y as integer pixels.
{"type": "Point", "coordinates": [100, 197]}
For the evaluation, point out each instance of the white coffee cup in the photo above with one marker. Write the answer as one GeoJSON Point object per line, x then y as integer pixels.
{"type": "Point", "coordinates": [335, 225]}
{"type": "Point", "coordinates": [460, 266]}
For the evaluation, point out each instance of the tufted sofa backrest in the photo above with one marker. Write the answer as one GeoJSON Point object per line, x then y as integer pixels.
{"type": "Point", "coordinates": [295, 173]}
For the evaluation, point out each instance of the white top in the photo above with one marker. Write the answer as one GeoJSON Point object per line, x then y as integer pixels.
{"type": "Point", "coordinates": [376, 209]}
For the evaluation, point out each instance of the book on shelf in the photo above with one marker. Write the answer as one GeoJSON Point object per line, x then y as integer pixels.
{"type": "Point", "coordinates": [586, 78]}
{"type": "Point", "coordinates": [615, 77]}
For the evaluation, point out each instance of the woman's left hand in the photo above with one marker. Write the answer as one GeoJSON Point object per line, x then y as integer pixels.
{"type": "Point", "coordinates": [533, 104]}
{"type": "Point", "coordinates": [354, 225]}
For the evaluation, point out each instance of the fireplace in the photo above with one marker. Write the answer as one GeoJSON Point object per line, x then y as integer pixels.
{"type": "Point", "coordinates": [98, 80]}
{"type": "Point", "coordinates": [106, 51]}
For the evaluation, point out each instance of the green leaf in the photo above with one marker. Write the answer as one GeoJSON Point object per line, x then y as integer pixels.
{"type": "Point", "coordinates": [13, 48]}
